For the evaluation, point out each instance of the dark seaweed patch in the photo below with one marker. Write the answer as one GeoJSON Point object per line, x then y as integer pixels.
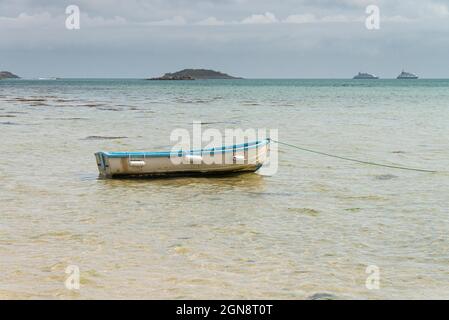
{"type": "Point", "coordinates": [92, 105]}
{"type": "Point", "coordinates": [30, 99]}
{"type": "Point", "coordinates": [62, 119]}
{"type": "Point", "coordinates": [385, 177]}
{"type": "Point", "coordinates": [64, 100]}
{"type": "Point", "coordinates": [8, 123]}
{"type": "Point", "coordinates": [103, 138]}
{"type": "Point", "coordinates": [110, 109]}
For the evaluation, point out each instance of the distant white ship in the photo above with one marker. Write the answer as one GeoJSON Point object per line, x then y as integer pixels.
{"type": "Point", "coordinates": [407, 75]}
{"type": "Point", "coordinates": [364, 75]}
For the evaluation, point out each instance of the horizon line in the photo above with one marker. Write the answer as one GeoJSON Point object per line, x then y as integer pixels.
{"type": "Point", "coordinates": [242, 78]}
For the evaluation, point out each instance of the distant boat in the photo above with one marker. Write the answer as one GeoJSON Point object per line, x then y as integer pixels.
{"type": "Point", "coordinates": [364, 75]}
{"type": "Point", "coordinates": [247, 157]}
{"type": "Point", "coordinates": [407, 75]}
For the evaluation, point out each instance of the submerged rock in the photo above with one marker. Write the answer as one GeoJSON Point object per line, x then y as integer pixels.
{"type": "Point", "coordinates": [322, 296]}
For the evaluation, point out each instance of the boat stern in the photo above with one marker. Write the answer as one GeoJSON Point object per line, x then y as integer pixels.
{"type": "Point", "coordinates": [102, 164]}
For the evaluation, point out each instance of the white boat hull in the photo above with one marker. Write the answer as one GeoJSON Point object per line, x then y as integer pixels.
{"type": "Point", "coordinates": [225, 161]}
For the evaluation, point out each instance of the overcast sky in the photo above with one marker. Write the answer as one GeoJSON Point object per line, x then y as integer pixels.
{"type": "Point", "coordinates": [249, 38]}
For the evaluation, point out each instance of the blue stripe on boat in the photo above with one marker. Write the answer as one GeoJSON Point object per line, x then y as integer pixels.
{"type": "Point", "coordinates": [223, 149]}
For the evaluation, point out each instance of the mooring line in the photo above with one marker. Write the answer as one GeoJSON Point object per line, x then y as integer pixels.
{"type": "Point", "coordinates": [354, 160]}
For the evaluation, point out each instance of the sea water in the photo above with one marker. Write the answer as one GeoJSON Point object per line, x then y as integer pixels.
{"type": "Point", "coordinates": [318, 227]}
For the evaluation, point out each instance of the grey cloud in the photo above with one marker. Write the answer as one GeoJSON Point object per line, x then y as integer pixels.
{"type": "Point", "coordinates": [231, 10]}
{"type": "Point", "coordinates": [134, 38]}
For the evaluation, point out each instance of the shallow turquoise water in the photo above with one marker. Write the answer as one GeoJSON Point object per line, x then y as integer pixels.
{"type": "Point", "coordinates": [313, 227]}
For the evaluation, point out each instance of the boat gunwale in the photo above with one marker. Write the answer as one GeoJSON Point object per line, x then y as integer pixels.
{"type": "Point", "coordinates": [163, 154]}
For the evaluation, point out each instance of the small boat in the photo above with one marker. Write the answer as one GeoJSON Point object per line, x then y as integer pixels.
{"type": "Point", "coordinates": [239, 158]}
{"type": "Point", "coordinates": [365, 76]}
{"type": "Point", "coordinates": [407, 76]}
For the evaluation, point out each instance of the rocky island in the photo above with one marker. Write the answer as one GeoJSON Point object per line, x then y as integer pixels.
{"type": "Point", "coordinates": [8, 75]}
{"type": "Point", "coordinates": [194, 74]}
